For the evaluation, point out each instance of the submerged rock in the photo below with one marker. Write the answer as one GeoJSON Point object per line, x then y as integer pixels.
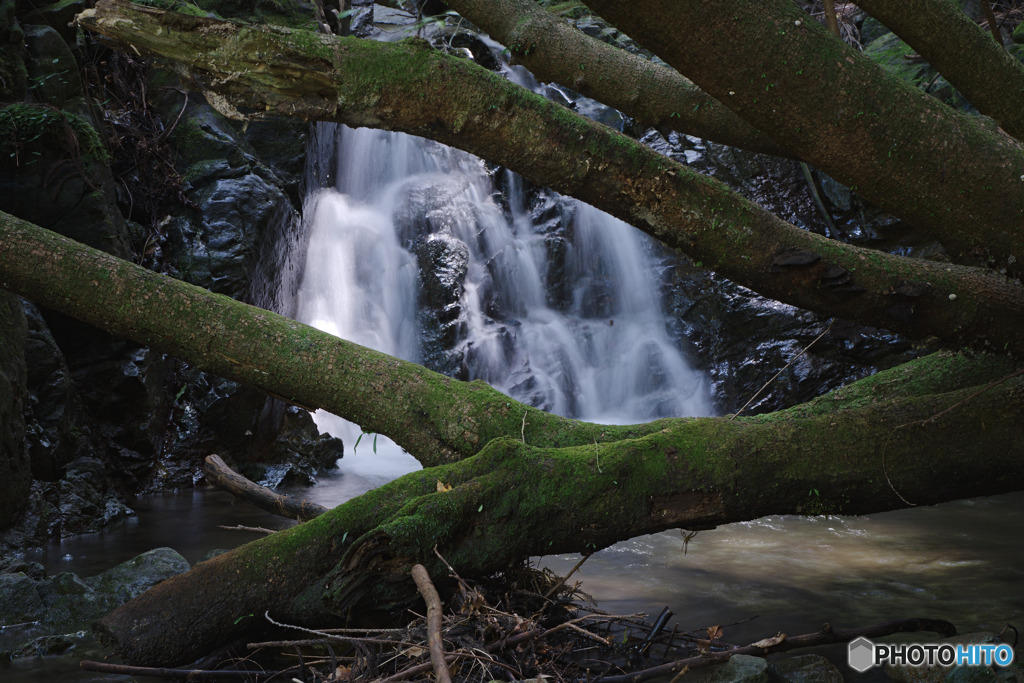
{"type": "Point", "coordinates": [804, 669]}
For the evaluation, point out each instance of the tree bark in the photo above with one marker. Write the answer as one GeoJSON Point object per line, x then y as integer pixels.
{"type": "Point", "coordinates": [975, 64]}
{"type": "Point", "coordinates": [220, 475]}
{"type": "Point", "coordinates": [890, 440]}
{"type": "Point", "coordinates": [654, 95]}
{"type": "Point", "coordinates": [943, 171]}
{"type": "Point", "coordinates": [411, 88]}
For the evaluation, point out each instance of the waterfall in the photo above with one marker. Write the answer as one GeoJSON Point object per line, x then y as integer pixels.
{"type": "Point", "coordinates": [427, 253]}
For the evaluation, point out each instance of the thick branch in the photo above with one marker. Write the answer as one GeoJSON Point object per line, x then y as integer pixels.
{"type": "Point", "coordinates": [411, 88]}
{"type": "Point", "coordinates": [652, 94]}
{"type": "Point", "coordinates": [222, 476]}
{"type": "Point", "coordinates": [857, 450]}
{"type": "Point", "coordinates": [946, 172]}
{"type": "Point", "coordinates": [975, 64]}
{"type": "Point", "coordinates": [434, 417]}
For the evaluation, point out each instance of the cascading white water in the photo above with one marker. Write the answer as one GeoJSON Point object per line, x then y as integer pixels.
{"type": "Point", "coordinates": [562, 313]}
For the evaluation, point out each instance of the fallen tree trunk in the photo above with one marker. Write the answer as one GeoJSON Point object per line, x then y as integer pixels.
{"type": "Point", "coordinates": [890, 440]}
{"type": "Point", "coordinates": [411, 88]}
{"type": "Point", "coordinates": [855, 451]}
{"type": "Point", "coordinates": [979, 67]}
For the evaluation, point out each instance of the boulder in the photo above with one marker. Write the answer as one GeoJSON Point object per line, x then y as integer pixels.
{"type": "Point", "coordinates": [741, 669]}
{"type": "Point", "coordinates": [804, 669]}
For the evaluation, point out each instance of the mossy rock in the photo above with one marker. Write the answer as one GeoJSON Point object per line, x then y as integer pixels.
{"type": "Point", "coordinates": [741, 669]}
{"type": "Point", "coordinates": [58, 16]}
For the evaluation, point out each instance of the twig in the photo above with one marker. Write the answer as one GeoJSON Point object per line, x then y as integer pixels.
{"type": "Point", "coordinates": [239, 527]}
{"type": "Point", "coordinates": [566, 577]}
{"type": "Point", "coordinates": [433, 600]}
{"type": "Point", "coordinates": [990, 19]}
{"type": "Point", "coordinates": [830, 17]}
{"type": "Point", "coordinates": [588, 634]}
{"type": "Point", "coordinates": [189, 674]}
{"type": "Point", "coordinates": [793, 360]}
{"type": "Point", "coordinates": [933, 418]}
{"type": "Point", "coordinates": [522, 430]}
{"type": "Point", "coordinates": [336, 636]}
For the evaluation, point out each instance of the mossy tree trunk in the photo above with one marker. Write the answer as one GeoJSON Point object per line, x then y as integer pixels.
{"type": "Point", "coordinates": [552, 486]}
{"type": "Point", "coordinates": [414, 89]}
{"type": "Point", "coordinates": [953, 175]}
{"type": "Point", "coordinates": [652, 94]}
{"type": "Point", "coordinates": [967, 55]}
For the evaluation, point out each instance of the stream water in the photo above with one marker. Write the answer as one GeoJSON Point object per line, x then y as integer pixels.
{"type": "Point", "coordinates": [961, 561]}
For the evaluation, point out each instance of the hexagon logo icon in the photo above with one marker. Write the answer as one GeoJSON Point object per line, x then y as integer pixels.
{"type": "Point", "coordinates": [861, 654]}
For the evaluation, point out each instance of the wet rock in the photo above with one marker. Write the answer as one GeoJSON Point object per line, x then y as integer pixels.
{"type": "Point", "coordinates": [81, 502]}
{"type": "Point", "coordinates": [132, 578]}
{"type": "Point", "coordinates": [431, 206]}
{"type": "Point", "coordinates": [298, 452]}
{"type": "Point", "coordinates": [804, 669]}
{"type": "Point", "coordinates": [57, 426]}
{"type": "Point", "coordinates": [741, 669]}
{"type": "Point", "coordinates": [237, 215]}
{"type": "Point", "coordinates": [477, 49]}
{"type": "Point", "coordinates": [19, 600]}
{"type": "Point", "coordinates": [443, 262]}
{"type": "Point", "coordinates": [281, 145]}
{"type": "Point", "coordinates": [44, 646]}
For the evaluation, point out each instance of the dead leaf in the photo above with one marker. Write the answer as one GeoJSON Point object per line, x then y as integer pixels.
{"type": "Point", "coordinates": [442, 487]}
{"type": "Point", "coordinates": [714, 632]}
{"type": "Point", "coordinates": [770, 642]}
{"type": "Point", "coordinates": [414, 652]}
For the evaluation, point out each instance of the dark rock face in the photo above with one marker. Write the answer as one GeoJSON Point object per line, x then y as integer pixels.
{"type": "Point", "coordinates": [103, 416]}
{"type": "Point", "coordinates": [82, 501]}
{"type": "Point", "coordinates": [443, 261]}
{"type": "Point", "coordinates": [57, 177]}
{"type": "Point", "coordinates": [15, 473]}
{"type": "Point", "coordinates": [57, 426]}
